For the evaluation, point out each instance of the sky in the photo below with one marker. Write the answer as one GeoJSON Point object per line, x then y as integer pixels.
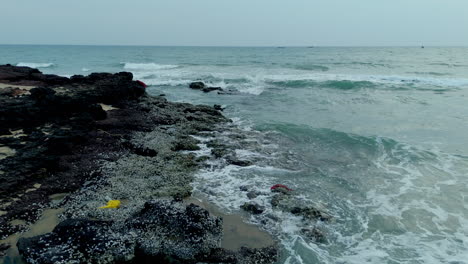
{"type": "Point", "coordinates": [235, 22]}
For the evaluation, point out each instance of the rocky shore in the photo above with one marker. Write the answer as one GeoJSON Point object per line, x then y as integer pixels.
{"type": "Point", "coordinates": [98, 138]}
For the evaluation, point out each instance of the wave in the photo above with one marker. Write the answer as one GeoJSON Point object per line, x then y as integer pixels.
{"type": "Point", "coordinates": [431, 73]}
{"type": "Point", "coordinates": [311, 67]}
{"type": "Point", "coordinates": [35, 65]}
{"type": "Point", "coordinates": [147, 66]}
{"type": "Point", "coordinates": [351, 82]}
{"type": "Point", "coordinates": [85, 69]}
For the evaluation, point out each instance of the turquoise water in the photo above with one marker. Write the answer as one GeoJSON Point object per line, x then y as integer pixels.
{"type": "Point", "coordinates": [376, 136]}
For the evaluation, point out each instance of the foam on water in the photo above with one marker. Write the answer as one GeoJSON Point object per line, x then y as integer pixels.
{"type": "Point", "coordinates": [35, 65]}
{"type": "Point", "coordinates": [411, 214]}
{"type": "Point", "coordinates": [255, 80]}
{"type": "Point", "coordinates": [147, 66]}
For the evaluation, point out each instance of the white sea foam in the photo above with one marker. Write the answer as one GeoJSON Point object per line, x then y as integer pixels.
{"type": "Point", "coordinates": [35, 65]}
{"type": "Point", "coordinates": [147, 66]}
{"type": "Point", "coordinates": [405, 218]}
{"type": "Point", "coordinates": [85, 69]}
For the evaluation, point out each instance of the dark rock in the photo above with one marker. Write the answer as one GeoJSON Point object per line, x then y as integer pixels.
{"type": "Point", "coordinates": [3, 248]}
{"type": "Point", "coordinates": [72, 240]}
{"type": "Point", "coordinates": [314, 234]}
{"type": "Point", "coordinates": [186, 143]}
{"type": "Point", "coordinates": [197, 85]}
{"type": "Point", "coordinates": [310, 213]}
{"type": "Point", "coordinates": [253, 208]}
{"type": "Point", "coordinates": [201, 86]}
{"type": "Point", "coordinates": [184, 233]}
{"type": "Point", "coordinates": [218, 107]}
{"type": "Point", "coordinates": [244, 188]}
{"type": "Point", "coordinates": [252, 194]}
{"type": "Point", "coordinates": [276, 200]}
{"type": "Point", "coordinates": [238, 162]}
{"type": "Point", "coordinates": [210, 89]}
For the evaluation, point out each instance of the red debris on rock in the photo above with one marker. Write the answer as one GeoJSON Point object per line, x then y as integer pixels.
{"type": "Point", "coordinates": [142, 83]}
{"type": "Point", "coordinates": [276, 186]}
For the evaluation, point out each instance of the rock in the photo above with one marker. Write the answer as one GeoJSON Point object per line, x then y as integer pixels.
{"type": "Point", "coordinates": [210, 89]}
{"type": "Point", "coordinates": [310, 213]}
{"type": "Point", "coordinates": [234, 161]}
{"type": "Point", "coordinates": [75, 240]}
{"type": "Point", "coordinates": [3, 248]}
{"type": "Point", "coordinates": [314, 234]}
{"type": "Point", "coordinates": [171, 230]}
{"type": "Point", "coordinates": [252, 195]}
{"type": "Point", "coordinates": [253, 208]}
{"type": "Point", "coordinates": [218, 107]}
{"type": "Point", "coordinates": [201, 86]}
{"type": "Point", "coordinates": [197, 85]}
{"type": "Point", "coordinates": [162, 230]}
{"type": "Point", "coordinates": [244, 188]}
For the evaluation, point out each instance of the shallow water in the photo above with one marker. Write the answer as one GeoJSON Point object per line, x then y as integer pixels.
{"type": "Point", "coordinates": [375, 136]}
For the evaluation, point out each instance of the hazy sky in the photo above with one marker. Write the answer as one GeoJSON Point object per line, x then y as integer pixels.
{"type": "Point", "coordinates": [235, 22]}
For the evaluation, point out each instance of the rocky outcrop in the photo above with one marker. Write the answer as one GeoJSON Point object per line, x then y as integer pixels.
{"type": "Point", "coordinates": [203, 87]}
{"type": "Point", "coordinates": [162, 232]}
{"type": "Point", "coordinates": [101, 136]}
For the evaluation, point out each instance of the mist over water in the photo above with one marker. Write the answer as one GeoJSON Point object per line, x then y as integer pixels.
{"type": "Point", "coordinates": [375, 136]}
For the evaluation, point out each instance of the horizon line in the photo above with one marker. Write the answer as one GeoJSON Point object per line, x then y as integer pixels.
{"type": "Point", "coordinates": [242, 46]}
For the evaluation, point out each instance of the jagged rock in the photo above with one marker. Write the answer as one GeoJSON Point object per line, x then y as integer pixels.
{"type": "Point", "coordinates": [310, 213]}
{"type": "Point", "coordinates": [218, 107]}
{"type": "Point", "coordinates": [184, 233]}
{"type": "Point", "coordinates": [202, 86]}
{"type": "Point", "coordinates": [252, 194]}
{"type": "Point", "coordinates": [244, 188]}
{"type": "Point", "coordinates": [163, 232]}
{"type": "Point", "coordinates": [210, 89]}
{"type": "Point", "coordinates": [253, 208]}
{"type": "Point", "coordinates": [314, 234]}
{"type": "Point", "coordinates": [234, 161]}
{"type": "Point", "coordinates": [197, 85]}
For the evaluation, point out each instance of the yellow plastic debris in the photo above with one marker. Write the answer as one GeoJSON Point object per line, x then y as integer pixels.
{"type": "Point", "coordinates": [111, 204]}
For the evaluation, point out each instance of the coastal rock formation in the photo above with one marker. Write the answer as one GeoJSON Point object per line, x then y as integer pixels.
{"type": "Point", "coordinates": [203, 87]}
{"type": "Point", "coordinates": [101, 137]}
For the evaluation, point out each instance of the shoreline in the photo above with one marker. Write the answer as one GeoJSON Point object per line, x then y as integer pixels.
{"type": "Point", "coordinates": [100, 135]}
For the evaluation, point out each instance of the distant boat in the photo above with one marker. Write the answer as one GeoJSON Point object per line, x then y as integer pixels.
{"type": "Point", "coordinates": [422, 46]}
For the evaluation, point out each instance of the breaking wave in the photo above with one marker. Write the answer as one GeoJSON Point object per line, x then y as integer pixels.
{"type": "Point", "coordinates": [147, 66]}
{"type": "Point", "coordinates": [35, 65]}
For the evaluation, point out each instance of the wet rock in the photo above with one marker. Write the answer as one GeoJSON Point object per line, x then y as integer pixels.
{"type": "Point", "coordinates": [186, 143]}
{"type": "Point", "coordinates": [244, 188]}
{"type": "Point", "coordinates": [252, 195]}
{"type": "Point", "coordinates": [75, 240]}
{"type": "Point", "coordinates": [314, 234]}
{"type": "Point", "coordinates": [197, 85]}
{"type": "Point", "coordinates": [163, 230]}
{"type": "Point", "coordinates": [184, 233]}
{"type": "Point", "coordinates": [202, 86]}
{"type": "Point", "coordinates": [253, 208]}
{"type": "Point", "coordinates": [234, 161]}
{"type": "Point", "coordinates": [210, 89]}
{"type": "Point", "coordinates": [310, 213]}
{"type": "Point", "coordinates": [3, 248]}
{"type": "Point", "coordinates": [218, 107]}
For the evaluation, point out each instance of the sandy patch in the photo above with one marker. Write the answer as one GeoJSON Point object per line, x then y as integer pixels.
{"type": "Point", "coordinates": [15, 134]}
{"type": "Point", "coordinates": [48, 221]}
{"type": "Point", "coordinates": [22, 87]}
{"type": "Point", "coordinates": [107, 107]}
{"type": "Point", "coordinates": [6, 152]}
{"type": "Point", "coordinates": [237, 233]}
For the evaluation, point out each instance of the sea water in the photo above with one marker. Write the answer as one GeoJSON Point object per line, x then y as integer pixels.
{"type": "Point", "coordinates": [376, 137]}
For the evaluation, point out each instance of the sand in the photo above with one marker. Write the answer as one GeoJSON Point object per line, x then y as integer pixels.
{"type": "Point", "coordinates": [237, 233]}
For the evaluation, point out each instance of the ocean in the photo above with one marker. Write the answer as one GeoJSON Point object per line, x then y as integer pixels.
{"type": "Point", "coordinates": [375, 136]}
